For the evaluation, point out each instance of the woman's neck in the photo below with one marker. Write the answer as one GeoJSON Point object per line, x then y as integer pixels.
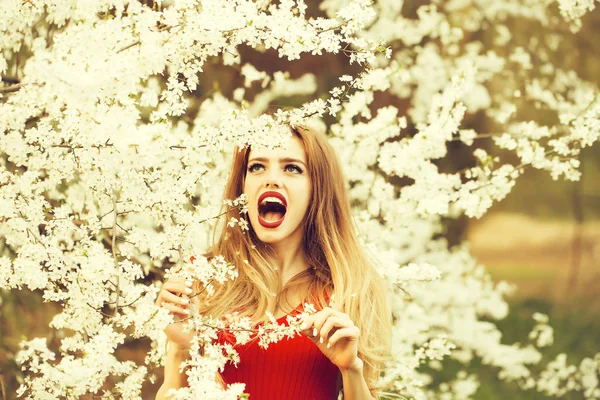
{"type": "Point", "coordinates": [291, 259]}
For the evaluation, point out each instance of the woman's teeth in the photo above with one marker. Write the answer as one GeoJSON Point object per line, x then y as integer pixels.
{"type": "Point", "coordinates": [272, 200]}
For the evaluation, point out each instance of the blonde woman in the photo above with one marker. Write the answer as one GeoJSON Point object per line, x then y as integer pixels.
{"type": "Point", "coordinates": [302, 246]}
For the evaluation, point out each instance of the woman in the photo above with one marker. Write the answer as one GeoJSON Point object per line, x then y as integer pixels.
{"type": "Point", "coordinates": [301, 247]}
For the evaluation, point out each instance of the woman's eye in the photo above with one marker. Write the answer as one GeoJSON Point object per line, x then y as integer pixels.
{"type": "Point", "coordinates": [293, 168]}
{"type": "Point", "coordinates": [254, 167]}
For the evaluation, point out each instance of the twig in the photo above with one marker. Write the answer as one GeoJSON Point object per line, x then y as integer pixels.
{"type": "Point", "coordinates": [36, 237]}
{"type": "Point", "coordinates": [482, 136]}
{"type": "Point", "coordinates": [100, 311]}
{"type": "Point", "coordinates": [114, 253]}
{"type": "Point", "coordinates": [131, 303]}
{"type": "Point", "coordinates": [520, 167]}
{"type": "Point", "coordinates": [111, 282]}
{"type": "Point", "coordinates": [203, 289]}
{"type": "Point", "coordinates": [96, 146]}
{"type": "Point", "coordinates": [125, 212]}
{"type": "Point", "coordinates": [129, 46]}
{"type": "Point", "coordinates": [12, 88]}
{"type": "Point", "coordinates": [151, 318]}
{"type": "Point", "coordinates": [104, 215]}
{"type": "Point", "coordinates": [220, 215]}
{"type": "Point", "coordinates": [333, 28]}
{"type": "Point", "coordinates": [126, 230]}
{"type": "Point", "coordinates": [76, 159]}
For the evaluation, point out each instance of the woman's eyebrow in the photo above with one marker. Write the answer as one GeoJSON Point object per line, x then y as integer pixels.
{"type": "Point", "coordinates": [281, 160]}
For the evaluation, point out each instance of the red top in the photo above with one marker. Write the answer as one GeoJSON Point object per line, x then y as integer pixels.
{"type": "Point", "coordinates": [291, 369]}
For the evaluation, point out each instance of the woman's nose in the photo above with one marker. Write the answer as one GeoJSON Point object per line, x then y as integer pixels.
{"type": "Point", "coordinates": [273, 183]}
{"type": "Point", "coordinates": [273, 180]}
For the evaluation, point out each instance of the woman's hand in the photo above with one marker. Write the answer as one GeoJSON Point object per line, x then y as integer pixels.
{"type": "Point", "coordinates": [336, 336]}
{"type": "Point", "coordinates": [174, 297]}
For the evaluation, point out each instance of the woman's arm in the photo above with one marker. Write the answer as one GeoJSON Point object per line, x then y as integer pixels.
{"type": "Point", "coordinates": [354, 384]}
{"type": "Point", "coordinates": [336, 336]}
{"type": "Point", "coordinates": [173, 379]}
{"type": "Point", "coordinates": [174, 297]}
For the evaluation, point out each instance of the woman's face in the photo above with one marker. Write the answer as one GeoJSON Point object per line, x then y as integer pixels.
{"type": "Point", "coordinates": [278, 188]}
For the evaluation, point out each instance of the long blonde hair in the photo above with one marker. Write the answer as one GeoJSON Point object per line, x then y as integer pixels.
{"type": "Point", "coordinates": [340, 269]}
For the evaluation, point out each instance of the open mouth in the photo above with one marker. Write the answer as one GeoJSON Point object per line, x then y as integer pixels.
{"type": "Point", "coordinates": [272, 207]}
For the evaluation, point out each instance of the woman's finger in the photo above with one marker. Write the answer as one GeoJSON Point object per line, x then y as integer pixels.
{"type": "Point", "coordinates": [312, 324]}
{"type": "Point", "coordinates": [173, 308]}
{"type": "Point", "coordinates": [348, 333]}
{"type": "Point", "coordinates": [333, 322]}
{"type": "Point", "coordinates": [171, 288]}
{"type": "Point", "coordinates": [325, 314]}
{"type": "Point", "coordinates": [318, 319]}
{"type": "Point", "coordinates": [172, 298]}
{"type": "Point", "coordinates": [178, 287]}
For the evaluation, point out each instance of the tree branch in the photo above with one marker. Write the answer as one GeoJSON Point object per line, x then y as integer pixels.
{"type": "Point", "coordinates": [114, 253]}
{"type": "Point", "coordinates": [12, 88]}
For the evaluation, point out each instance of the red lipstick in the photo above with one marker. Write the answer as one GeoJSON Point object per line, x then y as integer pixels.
{"type": "Point", "coordinates": [261, 220]}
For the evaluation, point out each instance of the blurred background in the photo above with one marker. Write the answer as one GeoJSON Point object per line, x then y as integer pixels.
{"type": "Point", "coordinates": [544, 237]}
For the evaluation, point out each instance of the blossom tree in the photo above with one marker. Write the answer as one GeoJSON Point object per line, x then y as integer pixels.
{"type": "Point", "coordinates": [116, 139]}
